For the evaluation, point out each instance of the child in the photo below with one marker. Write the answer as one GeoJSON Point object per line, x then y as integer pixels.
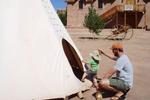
{"type": "Point", "coordinates": [92, 66]}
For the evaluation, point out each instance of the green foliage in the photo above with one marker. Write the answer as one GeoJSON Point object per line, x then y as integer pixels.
{"type": "Point", "coordinates": [93, 21]}
{"type": "Point", "coordinates": [63, 17]}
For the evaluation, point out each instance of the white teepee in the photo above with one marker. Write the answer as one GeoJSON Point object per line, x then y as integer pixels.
{"type": "Point", "coordinates": [36, 53]}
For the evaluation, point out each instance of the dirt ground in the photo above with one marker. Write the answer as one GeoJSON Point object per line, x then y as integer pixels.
{"type": "Point", "coordinates": [138, 50]}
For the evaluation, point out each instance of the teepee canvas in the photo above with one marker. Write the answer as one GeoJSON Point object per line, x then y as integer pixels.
{"type": "Point", "coordinates": [38, 59]}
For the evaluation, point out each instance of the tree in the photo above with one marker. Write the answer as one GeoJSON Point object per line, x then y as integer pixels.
{"type": "Point", "coordinates": [93, 21]}
{"type": "Point", "coordinates": [63, 16]}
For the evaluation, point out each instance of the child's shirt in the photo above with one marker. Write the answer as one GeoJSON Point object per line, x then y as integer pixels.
{"type": "Point", "coordinates": [94, 65]}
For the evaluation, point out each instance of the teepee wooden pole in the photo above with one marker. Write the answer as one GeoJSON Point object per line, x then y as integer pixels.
{"type": "Point", "coordinates": [66, 98]}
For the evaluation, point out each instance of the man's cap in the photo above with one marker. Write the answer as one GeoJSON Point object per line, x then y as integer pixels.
{"type": "Point", "coordinates": [95, 54]}
{"type": "Point", "coordinates": [117, 46]}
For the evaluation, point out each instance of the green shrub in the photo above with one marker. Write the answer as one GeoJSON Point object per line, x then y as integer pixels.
{"type": "Point", "coordinates": [93, 21]}
{"type": "Point", "coordinates": [63, 17]}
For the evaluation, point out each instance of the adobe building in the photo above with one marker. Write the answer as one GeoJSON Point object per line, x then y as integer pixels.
{"type": "Point", "coordinates": [135, 13]}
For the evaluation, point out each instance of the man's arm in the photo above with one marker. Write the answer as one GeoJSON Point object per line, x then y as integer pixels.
{"type": "Point", "coordinates": [110, 57]}
{"type": "Point", "coordinates": [110, 73]}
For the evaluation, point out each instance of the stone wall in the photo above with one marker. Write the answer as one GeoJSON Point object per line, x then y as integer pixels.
{"type": "Point", "coordinates": [148, 15]}
{"type": "Point", "coordinates": [75, 15]}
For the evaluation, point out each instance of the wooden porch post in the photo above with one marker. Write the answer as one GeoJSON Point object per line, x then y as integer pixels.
{"type": "Point", "coordinates": [136, 19]}
{"type": "Point", "coordinates": [125, 19]}
{"type": "Point", "coordinates": [117, 18]}
{"type": "Point", "coordinates": [145, 26]}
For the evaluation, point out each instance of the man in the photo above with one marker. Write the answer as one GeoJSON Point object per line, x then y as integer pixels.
{"type": "Point", "coordinates": [123, 70]}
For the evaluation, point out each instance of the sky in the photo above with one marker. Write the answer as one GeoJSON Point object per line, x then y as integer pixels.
{"type": "Point", "coordinates": [59, 4]}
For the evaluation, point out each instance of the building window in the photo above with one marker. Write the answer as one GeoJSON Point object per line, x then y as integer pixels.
{"type": "Point", "coordinates": [81, 4]}
{"type": "Point", "coordinates": [100, 3]}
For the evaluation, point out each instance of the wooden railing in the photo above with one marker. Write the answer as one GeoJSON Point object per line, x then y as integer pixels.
{"type": "Point", "coordinates": [139, 7]}
{"type": "Point", "coordinates": [120, 8]}
{"type": "Point", "coordinates": [70, 1]}
{"type": "Point", "coordinates": [89, 1]}
{"type": "Point", "coordinates": [109, 13]}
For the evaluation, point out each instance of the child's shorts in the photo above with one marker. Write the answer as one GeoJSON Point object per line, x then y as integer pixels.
{"type": "Point", "coordinates": [119, 84]}
{"type": "Point", "coordinates": [90, 74]}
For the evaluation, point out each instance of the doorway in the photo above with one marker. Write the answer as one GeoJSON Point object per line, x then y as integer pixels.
{"type": "Point", "coordinates": [73, 59]}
